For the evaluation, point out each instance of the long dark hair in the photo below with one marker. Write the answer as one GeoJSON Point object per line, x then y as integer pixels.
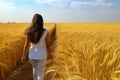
{"type": "Point", "coordinates": [34, 31]}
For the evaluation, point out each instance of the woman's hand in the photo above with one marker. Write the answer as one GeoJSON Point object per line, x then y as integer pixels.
{"type": "Point", "coordinates": [23, 59]}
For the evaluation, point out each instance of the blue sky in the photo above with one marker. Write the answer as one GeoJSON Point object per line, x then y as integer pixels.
{"type": "Point", "coordinates": [60, 10]}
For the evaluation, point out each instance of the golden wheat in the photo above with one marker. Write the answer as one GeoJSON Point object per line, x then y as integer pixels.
{"type": "Point", "coordinates": [82, 51]}
{"type": "Point", "coordinates": [86, 51]}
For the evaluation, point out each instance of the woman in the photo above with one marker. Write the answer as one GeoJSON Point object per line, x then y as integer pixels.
{"type": "Point", "coordinates": [37, 36]}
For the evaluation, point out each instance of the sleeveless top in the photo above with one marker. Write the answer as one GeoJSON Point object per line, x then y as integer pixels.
{"type": "Point", "coordinates": [38, 50]}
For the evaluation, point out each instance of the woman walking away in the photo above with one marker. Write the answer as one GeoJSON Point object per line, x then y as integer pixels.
{"type": "Point", "coordinates": [37, 37]}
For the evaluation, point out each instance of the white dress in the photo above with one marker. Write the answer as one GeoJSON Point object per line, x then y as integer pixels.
{"type": "Point", "coordinates": [38, 50]}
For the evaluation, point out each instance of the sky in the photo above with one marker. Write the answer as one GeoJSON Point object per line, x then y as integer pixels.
{"type": "Point", "coordinates": [60, 10]}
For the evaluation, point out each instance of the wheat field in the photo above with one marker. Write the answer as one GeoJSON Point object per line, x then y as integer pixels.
{"type": "Point", "coordinates": [12, 40]}
{"type": "Point", "coordinates": [86, 51]}
{"type": "Point", "coordinates": [82, 51]}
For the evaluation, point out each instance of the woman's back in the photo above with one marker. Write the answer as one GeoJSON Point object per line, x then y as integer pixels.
{"type": "Point", "coordinates": [38, 50]}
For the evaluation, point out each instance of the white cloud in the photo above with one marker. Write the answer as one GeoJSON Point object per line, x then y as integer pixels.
{"type": "Point", "coordinates": [72, 3]}
{"type": "Point", "coordinates": [100, 0]}
{"type": "Point", "coordinates": [42, 1]}
{"type": "Point", "coordinates": [6, 5]}
{"type": "Point", "coordinates": [56, 3]}
{"type": "Point", "coordinates": [96, 3]}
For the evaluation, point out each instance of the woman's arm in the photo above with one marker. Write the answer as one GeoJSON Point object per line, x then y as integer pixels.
{"type": "Point", "coordinates": [25, 50]}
